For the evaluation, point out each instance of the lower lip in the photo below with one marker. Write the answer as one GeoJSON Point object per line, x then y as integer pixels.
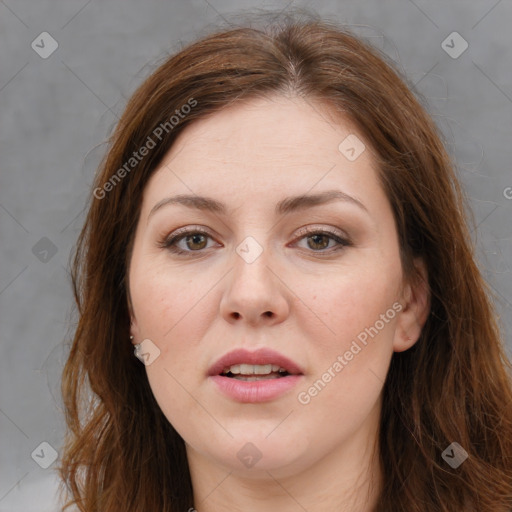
{"type": "Point", "coordinates": [256, 390]}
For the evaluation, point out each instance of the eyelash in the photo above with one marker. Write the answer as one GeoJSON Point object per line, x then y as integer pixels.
{"type": "Point", "coordinates": [169, 242]}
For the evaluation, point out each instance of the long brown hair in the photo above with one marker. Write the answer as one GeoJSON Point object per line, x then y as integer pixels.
{"type": "Point", "coordinates": [453, 385]}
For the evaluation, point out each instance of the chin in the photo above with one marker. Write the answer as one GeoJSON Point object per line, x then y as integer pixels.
{"type": "Point", "coordinates": [253, 452]}
{"type": "Point", "coordinates": [252, 462]}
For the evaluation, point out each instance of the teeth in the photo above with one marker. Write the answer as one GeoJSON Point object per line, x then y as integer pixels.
{"type": "Point", "coordinates": [253, 369]}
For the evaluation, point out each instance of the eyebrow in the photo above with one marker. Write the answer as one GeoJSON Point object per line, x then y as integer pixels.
{"type": "Point", "coordinates": [287, 205]}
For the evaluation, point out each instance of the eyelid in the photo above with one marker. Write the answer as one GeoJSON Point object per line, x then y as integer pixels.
{"type": "Point", "coordinates": [313, 228]}
{"type": "Point", "coordinates": [192, 228]}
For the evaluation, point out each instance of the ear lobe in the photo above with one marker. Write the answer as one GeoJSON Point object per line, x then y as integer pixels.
{"type": "Point", "coordinates": [416, 308]}
{"type": "Point", "coordinates": [134, 329]}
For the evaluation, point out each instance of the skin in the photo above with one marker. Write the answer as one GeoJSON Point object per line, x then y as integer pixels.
{"type": "Point", "coordinates": [199, 306]}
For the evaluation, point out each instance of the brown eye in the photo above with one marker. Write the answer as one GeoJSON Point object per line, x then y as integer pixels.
{"type": "Point", "coordinates": [189, 241]}
{"type": "Point", "coordinates": [196, 241]}
{"type": "Point", "coordinates": [320, 241]}
{"type": "Point", "coordinates": [186, 241]}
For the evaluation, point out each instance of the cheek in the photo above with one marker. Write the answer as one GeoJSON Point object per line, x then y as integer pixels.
{"type": "Point", "coordinates": [351, 328]}
{"type": "Point", "coordinates": [336, 309]}
{"type": "Point", "coordinates": [173, 310]}
{"type": "Point", "coordinates": [169, 311]}
{"type": "Point", "coordinates": [162, 299]}
{"type": "Point", "coordinates": [350, 351]}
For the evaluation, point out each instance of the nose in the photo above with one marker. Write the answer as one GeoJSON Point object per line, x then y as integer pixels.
{"type": "Point", "coordinates": [255, 293]}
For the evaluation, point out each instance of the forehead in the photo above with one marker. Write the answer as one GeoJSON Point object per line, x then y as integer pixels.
{"type": "Point", "coordinates": [267, 127]}
{"type": "Point", "coordinates": [278, 146]}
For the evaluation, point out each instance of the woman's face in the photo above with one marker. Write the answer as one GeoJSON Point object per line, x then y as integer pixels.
{"type": "Point", "coordinates": [317, 281]}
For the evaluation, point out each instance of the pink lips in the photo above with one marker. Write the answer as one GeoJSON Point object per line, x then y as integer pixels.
{"type": "Point", "coordinates": [255, 391]}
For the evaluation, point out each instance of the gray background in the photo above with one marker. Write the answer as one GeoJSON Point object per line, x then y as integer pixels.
{"type": "Point", "coordinates": [57, 112]}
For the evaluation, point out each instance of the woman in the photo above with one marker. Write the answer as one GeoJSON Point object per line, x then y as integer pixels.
{"type": "Point", "coordinates": [278, 230]}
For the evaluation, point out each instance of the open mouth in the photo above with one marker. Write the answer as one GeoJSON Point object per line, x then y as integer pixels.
{"type": "Point", "coordinates": [255, 377]}
{"type": "Point", "coordinates": [253, 372]}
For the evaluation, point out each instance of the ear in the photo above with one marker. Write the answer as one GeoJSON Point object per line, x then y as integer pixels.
{"type": "Point", "coordinates": [134, 326]}
{"type": "Point", "coordinates": [416, 308]}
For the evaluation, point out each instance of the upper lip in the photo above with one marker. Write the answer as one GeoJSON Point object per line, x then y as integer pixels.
{"type": "Point", "coordinates": [261, 356]}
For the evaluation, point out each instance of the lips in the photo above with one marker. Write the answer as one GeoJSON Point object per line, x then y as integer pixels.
{"type": "Point", "coordinates": [255, 388]}
{"type": "Point", "coordinates": [262, 356]}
